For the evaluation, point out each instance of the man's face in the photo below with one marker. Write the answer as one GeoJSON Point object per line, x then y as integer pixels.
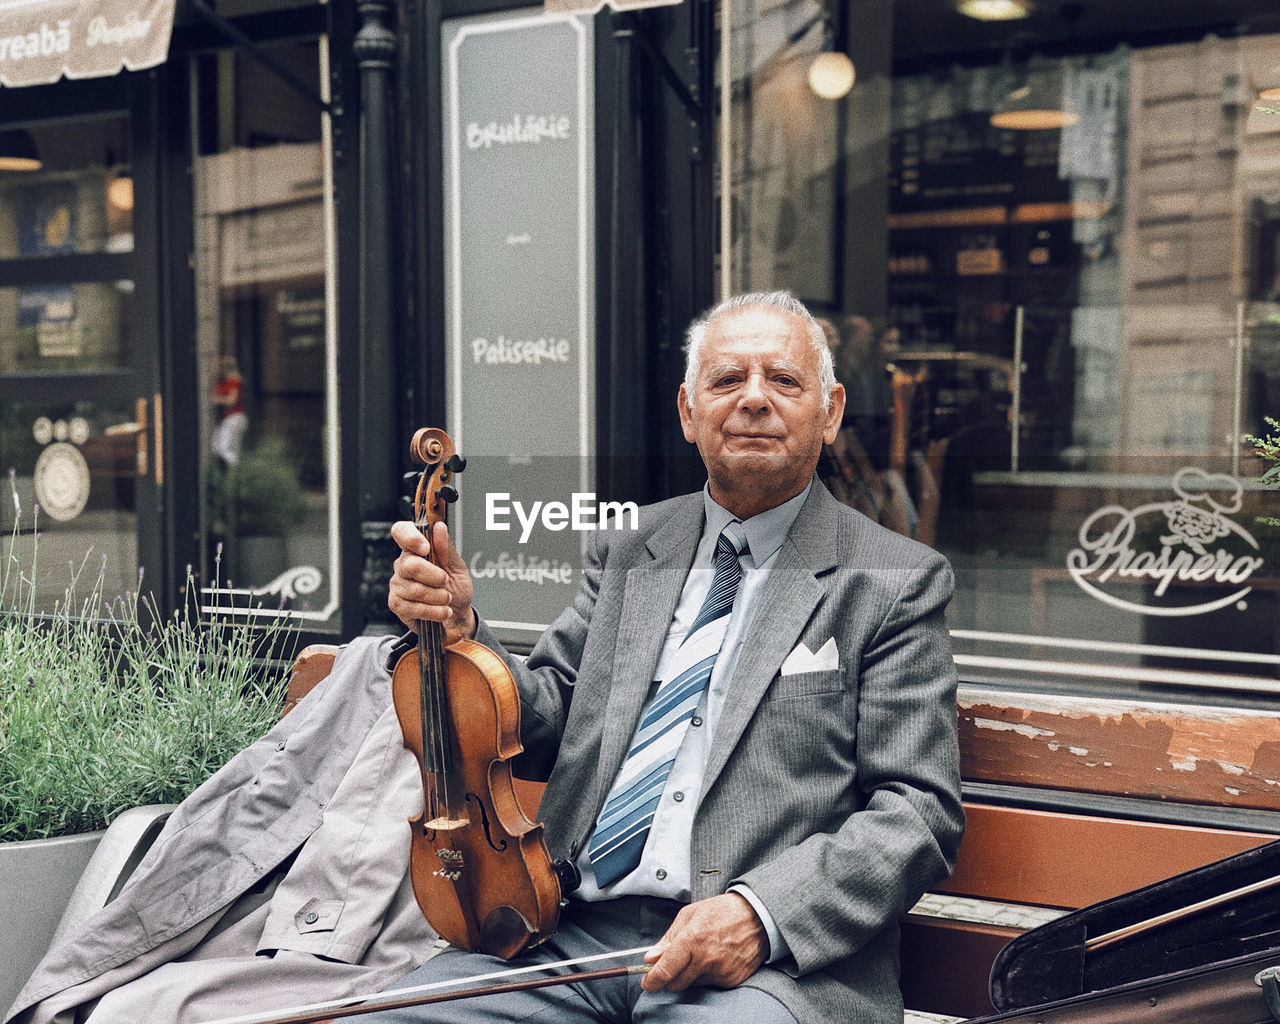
{"type": "Point", "coordinates": [756, 411]}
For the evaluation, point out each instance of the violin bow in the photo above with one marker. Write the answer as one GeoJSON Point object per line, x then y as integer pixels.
{"type": "Point", "coordinates": [1102, 941]}
{"type": "Point", "coordinates": [423, 995]}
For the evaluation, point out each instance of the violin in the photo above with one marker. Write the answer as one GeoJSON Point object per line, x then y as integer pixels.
{"type": "Point", "coordinates": [480, 868]}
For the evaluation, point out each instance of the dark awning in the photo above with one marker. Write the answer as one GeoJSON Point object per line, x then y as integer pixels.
{"type": "Point", "coordinates": [42, 40]}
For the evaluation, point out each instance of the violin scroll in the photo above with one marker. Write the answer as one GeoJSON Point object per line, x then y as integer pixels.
{"type": "Point", "coordinates": [434, 449]}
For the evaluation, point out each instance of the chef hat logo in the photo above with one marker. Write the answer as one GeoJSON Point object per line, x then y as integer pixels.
{"type": "Point", "coordinates": [1195, 485]}
{"type": "Point", "coordinates": [1190, 522]}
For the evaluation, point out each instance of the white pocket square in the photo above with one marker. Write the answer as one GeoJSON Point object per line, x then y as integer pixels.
{"type": "Point", "coordinates": [804, 660]}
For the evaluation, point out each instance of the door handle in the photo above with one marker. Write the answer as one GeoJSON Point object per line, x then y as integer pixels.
{"type": "Point", "coordinates": [141, 465]}
{"type": "Point", "coordinates": [157, 431]}
{"type": "Point", "coordinates": [148, 454]}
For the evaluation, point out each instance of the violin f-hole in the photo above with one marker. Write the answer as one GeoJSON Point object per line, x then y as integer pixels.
{"type": "Point", "coordinates": [484, 823]}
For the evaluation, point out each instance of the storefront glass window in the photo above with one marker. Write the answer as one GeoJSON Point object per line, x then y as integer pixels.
{"type": "Point", "coordinates": [66, 187]}
{"type": "Point", "coordinates": [79, 445]}
{"type": "Point", "coordinates": [74, 326]}
{"type": "Point", "coordinates": [265, 337]}
{"type": "Point", "coordinates": [1048, 253]}
{"type": "Point", "coordinates": [68, 517]}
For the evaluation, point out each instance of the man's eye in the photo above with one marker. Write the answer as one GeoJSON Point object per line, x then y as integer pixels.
{"type": "Point", "coordinates": [785, 381]}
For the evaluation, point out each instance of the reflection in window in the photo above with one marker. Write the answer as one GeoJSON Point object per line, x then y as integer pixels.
{"type": "Point", "coordinates": [1048, 264]}
{"type": "Point", "coordinates": [264, 339]}
{"type": "Point", "coordinates": [72, 190]}
{"type": "Point", "coordinates": [68, 499]}
{"type": "Point", "coordinates": [65, 327]}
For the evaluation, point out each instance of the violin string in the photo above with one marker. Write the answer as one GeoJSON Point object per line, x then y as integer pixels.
{"type": "Point", "coordinates": [374, 999]}
{"type": "Point", "coordinates": [424, 720]}
{"type": "Point", "coordinates": [439, 697]}
{"type": "Point", "coordinates": [428, 641]}
{"type": "Point", "coordinates": [433, 692]}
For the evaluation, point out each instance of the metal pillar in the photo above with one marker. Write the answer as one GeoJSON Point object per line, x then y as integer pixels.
{"type": "Point", "coordinates": [374, 47]}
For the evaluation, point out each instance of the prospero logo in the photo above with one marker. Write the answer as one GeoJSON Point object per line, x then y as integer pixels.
{"type": "Point", "coordinates": [582, 513]}
{"type": "Point", "coordinates": [1198, 541]}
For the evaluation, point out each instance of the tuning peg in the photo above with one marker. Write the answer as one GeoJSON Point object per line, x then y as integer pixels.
{"type": "Point", "coordinates": [455, 463]}
{"type": "Point", "coordinates": [448, 494]}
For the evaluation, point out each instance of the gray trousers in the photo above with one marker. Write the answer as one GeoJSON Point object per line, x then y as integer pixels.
{"type": "Point", "coordinates": [587, 929]}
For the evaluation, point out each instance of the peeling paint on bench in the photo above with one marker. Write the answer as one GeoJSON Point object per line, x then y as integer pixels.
{"type": "Point", "coordinates": [1186, 753]}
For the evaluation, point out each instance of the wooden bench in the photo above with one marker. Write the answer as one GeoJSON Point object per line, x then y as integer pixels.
{"type": "Point", "coordinates": [1130, 792]}
{"type": "Point", "coordinates": [1122, 772]}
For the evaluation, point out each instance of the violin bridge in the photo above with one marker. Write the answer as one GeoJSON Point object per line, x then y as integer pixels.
{"type": "Point", "coordinates": [446, 824]}
{"type": "Point", "coordinates": [451, 863]}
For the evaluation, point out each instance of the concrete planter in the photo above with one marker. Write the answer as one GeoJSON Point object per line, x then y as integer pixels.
{"type": "Point", "coordinates": [37, 878]}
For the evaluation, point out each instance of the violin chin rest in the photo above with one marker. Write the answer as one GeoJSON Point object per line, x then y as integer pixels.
{"type": "Point", "coordinates": [504, 933]}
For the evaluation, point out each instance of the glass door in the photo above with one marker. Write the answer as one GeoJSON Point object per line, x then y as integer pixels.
{"type": "Point", "coordinates": [265, 335]}
{"type": "Point", "coordinates": [81, 415]}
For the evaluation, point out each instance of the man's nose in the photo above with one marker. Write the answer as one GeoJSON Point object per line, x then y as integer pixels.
{"type": "Point", "coordinates": [755, 397]}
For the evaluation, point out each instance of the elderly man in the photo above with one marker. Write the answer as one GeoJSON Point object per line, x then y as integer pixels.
{"type": "Point", "coordinates": [746, 719]}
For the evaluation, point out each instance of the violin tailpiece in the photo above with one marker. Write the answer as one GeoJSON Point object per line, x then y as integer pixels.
{"type": "Point", "coordinates": [451, 864]}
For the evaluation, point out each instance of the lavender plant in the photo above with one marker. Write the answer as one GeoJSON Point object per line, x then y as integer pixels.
{"type": "Point", "coordinates": [106, 705]}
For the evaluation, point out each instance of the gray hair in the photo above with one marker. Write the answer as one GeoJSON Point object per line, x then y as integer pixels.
{"type": "Point", "coordinates": [784, 302]}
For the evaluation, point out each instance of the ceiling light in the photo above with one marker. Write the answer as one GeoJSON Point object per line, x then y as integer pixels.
{"type": "Point", "coordinates": [1033, 119]}
{"type": "Point", "coordinates": [1036, 106]}
{"type": "Point", "coordinates": [18, 151]}
{"type": "Point", "coordinates": [1267, 84]}
{"type": "Point", "coordinates": [831, 75]}
{"type": "Point", "coordinates": [120, 192]}
{"type": "Point", "coordinates": [995, 10]}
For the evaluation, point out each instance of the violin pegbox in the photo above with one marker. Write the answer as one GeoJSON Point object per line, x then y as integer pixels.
{"type": "Point", "coordinates": [432, 447]}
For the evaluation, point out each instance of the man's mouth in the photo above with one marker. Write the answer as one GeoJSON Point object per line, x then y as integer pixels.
{"type": "Point", "coordinates": [753, 440]}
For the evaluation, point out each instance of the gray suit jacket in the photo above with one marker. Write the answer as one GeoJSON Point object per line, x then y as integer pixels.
{"type": "Point", "coordinates": [835, 795]}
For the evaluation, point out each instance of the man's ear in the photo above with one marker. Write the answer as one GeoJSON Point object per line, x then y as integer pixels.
{"type": "Point", "coordinates": [835, 414]}
{"type": "Point", "coordinates": [686, 417]}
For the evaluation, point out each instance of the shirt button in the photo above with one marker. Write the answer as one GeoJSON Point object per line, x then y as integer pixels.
{"type": "Point", "coordinates": [312, 917]}
{"type": "Point", "coordinates": [697, 720]}
{"type": "Point", "coordinates": [661, 873]}
{"type": "Point", "coordinates": [677, 797]}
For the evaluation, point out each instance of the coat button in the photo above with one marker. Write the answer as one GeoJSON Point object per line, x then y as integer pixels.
{"type": "Point", "coordinates": [677, 797]}
{"type": "Point", "coordinates": [312, 918]}
{"type": "Point", "coordinates": [696, 720]}
{"type": "Point", "coordinates": [280, 745]}
{"type": "Point", "coordinates": [661, 873]}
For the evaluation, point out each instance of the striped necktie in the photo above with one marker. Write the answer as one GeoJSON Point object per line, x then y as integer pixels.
{"type": "Point", "coordinates": [620, 835]}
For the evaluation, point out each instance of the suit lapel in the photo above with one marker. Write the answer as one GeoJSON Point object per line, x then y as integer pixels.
{"type": "Point", "coordinates": [788, 600]}
{"type": "Point", "coordinates": [648, 606]}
